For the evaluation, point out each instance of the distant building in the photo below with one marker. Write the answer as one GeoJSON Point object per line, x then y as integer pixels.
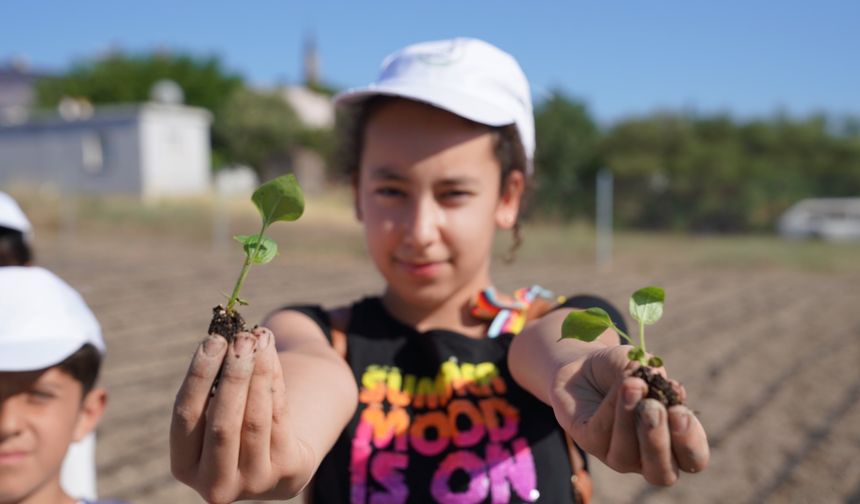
{"type": "Point", "coordinates": [311, 61]}
{"type": "Point", "coordinates": [150, 150]}
{"type": "Point", "coordinates": [315, 111]}
{"type": "Point", "coordinates": [154, 149]}
{"type": "Point", "coordinates": [17, 91]}
{"type": "Point", "coordinates": [834, 219]}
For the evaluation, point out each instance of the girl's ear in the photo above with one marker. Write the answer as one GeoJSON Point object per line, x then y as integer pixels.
{"type": "Point", "coordinates": [92, 409]}
{"type": "Point", "coordinates": [509, 203]}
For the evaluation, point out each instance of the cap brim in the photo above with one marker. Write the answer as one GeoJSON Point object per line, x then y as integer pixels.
{"type": "Point", "coordinates": [452, 100]}
{"type": "Point", "coordinates": [31, 356]}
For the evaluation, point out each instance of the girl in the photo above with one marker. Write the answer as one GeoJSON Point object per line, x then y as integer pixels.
{"type": "Point", "coordinates": [424, 394]}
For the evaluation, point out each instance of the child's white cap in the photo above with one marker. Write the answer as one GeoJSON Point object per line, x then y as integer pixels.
{"type": "Point", "coordinates": [11, 215]}
{"type": "Point", "coordinates": [465, 76]}
{"type": "Point", "coordinates": [42, 320]}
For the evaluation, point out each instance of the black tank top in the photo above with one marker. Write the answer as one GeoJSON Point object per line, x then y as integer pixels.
{"type": "Point", "coordinates": [440, 419]}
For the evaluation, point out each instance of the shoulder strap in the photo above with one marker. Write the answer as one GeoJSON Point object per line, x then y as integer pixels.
{"type": "Point", "coordinates": [339, 318]}
{"type": "Point", "coordinates": [580, 480]}
{"type": "Point", "coordinates": [339, 324]}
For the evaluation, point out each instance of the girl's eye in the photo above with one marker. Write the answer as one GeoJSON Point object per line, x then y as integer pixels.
{"type": "Point", "coordinates": [41, 396]}
{"type": "Point", "coordinates": [389, 192]}
{"type": "Point", "coordinates": [454, 195]}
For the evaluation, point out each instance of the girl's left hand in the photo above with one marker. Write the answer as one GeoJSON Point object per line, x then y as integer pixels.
{"type": "Point", "coordinates": [602, 408]}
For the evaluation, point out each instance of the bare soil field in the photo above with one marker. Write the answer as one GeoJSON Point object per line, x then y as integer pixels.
{"type": "Point", "coordinates": [765, 335]}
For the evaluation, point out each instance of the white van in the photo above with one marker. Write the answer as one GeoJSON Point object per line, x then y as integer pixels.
{"type": "Point", "coordinates": [834, 219]}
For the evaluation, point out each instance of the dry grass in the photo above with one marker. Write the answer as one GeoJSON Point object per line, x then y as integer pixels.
{"type": "Point", "coordinates": [329, 217]}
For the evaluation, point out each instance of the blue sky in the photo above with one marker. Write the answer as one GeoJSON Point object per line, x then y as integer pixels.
{"type": "Point", "coordinates": [748, 58]}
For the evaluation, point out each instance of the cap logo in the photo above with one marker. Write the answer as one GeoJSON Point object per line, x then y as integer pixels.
{"type": "Point", "coordinates": [444, 57]}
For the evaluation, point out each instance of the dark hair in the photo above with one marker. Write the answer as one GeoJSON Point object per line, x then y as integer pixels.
{"type": "Point", "coordinates": [83, 366]}
{"type": "Point", "coordinates": [507, 148]}
{"type": "Point", "coordinates": [14, 250]}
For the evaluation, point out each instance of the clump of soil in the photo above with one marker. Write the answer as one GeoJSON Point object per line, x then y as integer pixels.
{"type": "Point", "coordinates": [226, 324]}
{"type": "Point", "coordinates": [658, 387]}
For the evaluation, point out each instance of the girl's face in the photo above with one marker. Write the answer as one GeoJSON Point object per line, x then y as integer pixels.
{"type": "Point", "coordinates": [428, 194]}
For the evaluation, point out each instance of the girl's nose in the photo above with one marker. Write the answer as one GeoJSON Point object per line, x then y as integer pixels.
{"type": "Point", "coordinates": [423, 224]}
{"type": "Point", "coordinates": [9, 420]}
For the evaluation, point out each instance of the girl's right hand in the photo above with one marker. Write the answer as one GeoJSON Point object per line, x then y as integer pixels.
{"type": "Point", "coordinates": [605, 411]}
{"type": "Point", "coordinates": [237, 443]}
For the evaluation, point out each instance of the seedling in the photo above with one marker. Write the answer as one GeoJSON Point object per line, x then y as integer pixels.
{"type": "Point", "coordinates": [646, 307]}
{"type": "Point", "coordinates": [279, 199]}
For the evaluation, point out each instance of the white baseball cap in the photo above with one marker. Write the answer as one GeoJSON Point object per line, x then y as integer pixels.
{"type": "Point", "coordinates": [11, 215]}
{"type": "Point", "coordinates": [42, 320]}
{"type": "Point", "coordinates": [465, 76]}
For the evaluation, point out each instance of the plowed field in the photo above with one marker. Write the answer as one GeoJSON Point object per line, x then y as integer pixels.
{"type": "Point", "coordinates": [765, 335]}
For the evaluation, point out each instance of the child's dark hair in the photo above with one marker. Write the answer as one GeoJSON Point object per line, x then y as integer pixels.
{"type": "Point", "coordinates": [508, 149]}
{"type": "Point", "coordinates": [14, 250]}
{"type": "Point", "coordinates": [83, 366]}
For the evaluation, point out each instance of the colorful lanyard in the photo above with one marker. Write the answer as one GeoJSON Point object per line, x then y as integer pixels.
{"type": "Point", "coordinates": [509, 313]}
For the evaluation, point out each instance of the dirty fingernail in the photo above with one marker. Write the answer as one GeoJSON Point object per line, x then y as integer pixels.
{"type": "Point", "coordinates": [631, 397]}
{"type": "Point", "coordinates": [263, 339]}
{"type": "Point", "coordinates": [243, 345]}
{"type": "Point", "coordinates": [213, 345]}
{"type": "Point", "coordinates": [650, 413]}
{"type": "Point", "coordinates": [679, 422]}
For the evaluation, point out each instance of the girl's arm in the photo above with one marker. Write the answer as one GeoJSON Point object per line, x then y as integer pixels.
{"type": "Point", "coordinates": [283, 398]}
{"type": "Point", "coordinates": [601, 406]}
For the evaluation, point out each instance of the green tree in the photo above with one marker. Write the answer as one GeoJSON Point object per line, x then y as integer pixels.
{"type": "Point", "coordinates": [566, 158]}
{"type": "Point", "coordinates": [258, 129]}
{"type": "Point", "coordinates": [711, 173]}
{"type": "Point", "coordinates": [128, 78]}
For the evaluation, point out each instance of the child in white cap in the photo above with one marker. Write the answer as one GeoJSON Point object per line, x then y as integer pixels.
{"type": "Point", "coordinates": [78, 476]}
{"type": "Point", "coordinates": [439, 389]}
{"type": "Point", "coordinates": [51, 350]}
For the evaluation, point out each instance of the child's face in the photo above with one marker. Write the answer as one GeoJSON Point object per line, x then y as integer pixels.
{"type": "Point", "coordinates": [41, 413]}
{"type": "Point", "coordinates": [428, 194]}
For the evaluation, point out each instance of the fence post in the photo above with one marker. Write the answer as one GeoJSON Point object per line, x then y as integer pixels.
{"type": "Point", "coordinates": [603, 226]}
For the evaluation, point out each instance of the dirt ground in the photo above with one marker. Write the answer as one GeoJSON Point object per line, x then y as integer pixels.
{"type": "Point", "coordinates": [769, 352]}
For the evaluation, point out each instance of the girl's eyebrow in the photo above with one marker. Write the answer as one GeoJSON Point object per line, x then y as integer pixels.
{"type": "Point", "coordinates": [386, 173]}
{"type": "Point", "coordinates": [47, 385]}
{"type": "Point", "coordinates": [460, 181]}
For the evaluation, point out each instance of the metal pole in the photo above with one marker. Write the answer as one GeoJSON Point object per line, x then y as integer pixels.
{"type": "Point", "coordinates": [220, 216]}
{"type": "Point", "coordinates": [70, 189]}
{"type": "Point", "coordinates": [603, 225]}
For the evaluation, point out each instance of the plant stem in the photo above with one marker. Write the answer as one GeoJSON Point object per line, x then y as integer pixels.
{"type": "Point", "coordinates": [242, 274]}
{"type": "Point", "coordinates": [642, 336]}
{"type": "Point", "coordinates": [246, 267]}
{"type": "Point", "coordinates": [622, 334]}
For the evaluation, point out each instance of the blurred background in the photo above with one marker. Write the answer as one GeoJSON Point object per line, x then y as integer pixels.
{"type": "Point", "coordinates": [713, 149]}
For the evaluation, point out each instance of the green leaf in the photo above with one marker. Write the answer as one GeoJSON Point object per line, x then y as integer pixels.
{"type": "Point", "coordinates": [655, 361]}
{"type": "Point", "coordinates": [279, 199]}
{"type": "Point", "coordinates": [267, 250]}
{"type": "Point", "coordinates": [586, 325]}
{"type": "Point", "coordinates": [636, 354]}
{"type": "Point", "coordinates": [646, 304]}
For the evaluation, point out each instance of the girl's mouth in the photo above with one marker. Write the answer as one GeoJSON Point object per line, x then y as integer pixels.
{"type": "Point", "coordinates": [11, 457]}
{"type": "Point", "coordinates": [422, 269]}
